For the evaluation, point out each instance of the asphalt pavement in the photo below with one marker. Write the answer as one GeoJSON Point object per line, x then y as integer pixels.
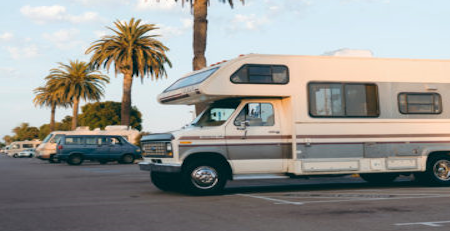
{"type": "Point", "coordinates": [36, 195]}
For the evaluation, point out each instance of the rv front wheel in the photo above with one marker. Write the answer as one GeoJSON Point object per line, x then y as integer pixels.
{"type": "Point", "coordinates": [379, 178]}
{"type": "Point", "coordinates": [203, 178]}
{"type": "Point", "coordinates": [438, 171]}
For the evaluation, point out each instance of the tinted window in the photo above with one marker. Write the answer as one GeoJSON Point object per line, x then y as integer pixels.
{"type": "Point", "coordinates": [115, 140]}
{"type": "Point", "coordinates": [91, 140]}
{"type": "Point", "coordinates": [343, 100]}
{"type": "Point", "coordinates": [419, 103]}
{"type": "Point", "coordinates": [191, 80]}
{"type": "Point", "coordinates": [257, 114]}
{"type": "Point", "coordinates": [27, 146]}
{"type": "Point", "coordinates": [74, 140]}
{"type": "Point", "coordinates": [261, 74]}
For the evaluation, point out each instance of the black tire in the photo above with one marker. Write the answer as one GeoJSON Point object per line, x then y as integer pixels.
{"type": "Point", "coordinates": [438, 171]}
{"type": "Point", "coordinates": [103, 161]}
{"type": "Point", "coordinates": [52, 159]}
{"type": "Point", "coordinates": [75, 159]}
{"type": "Point", "coordinates": [15, 155]}
{"type": "Point", "coordinates": [166, 181]}
{"type": "Point", "coordinates": [379, 178]}
{"type": "Point", "coordinates": [127, 159]}
{"type": "Point", "coordinates": [203, 177]}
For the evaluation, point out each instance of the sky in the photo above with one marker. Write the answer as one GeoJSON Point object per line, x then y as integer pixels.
{"type": "Point", "coordinates": [36, 35]}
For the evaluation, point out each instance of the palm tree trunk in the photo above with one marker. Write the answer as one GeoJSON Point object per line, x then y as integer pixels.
{"type": "Point", "coordinates": [126, 99]}
{"type": "Point", "coordinates": [199, 42]}
{"type": "Point", "coordinates": [52, 117]}
{"type": "Point", "coordinates": [76, 103]}
{"type": "Point", "coordinates": [200, 28]}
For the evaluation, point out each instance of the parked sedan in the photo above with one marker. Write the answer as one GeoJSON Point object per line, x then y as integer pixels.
{"type": "Point", "coordinates": [25, 153]}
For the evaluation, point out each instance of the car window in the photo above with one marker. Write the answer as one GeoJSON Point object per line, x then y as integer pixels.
{"type": "Point", "coordinates": [115, 141]}
{"type": "Point", "coordinates": [74, 140]}
{"type": "Point", "coordinates": [91, 140]}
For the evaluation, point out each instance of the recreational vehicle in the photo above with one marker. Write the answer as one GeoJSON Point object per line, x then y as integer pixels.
{"type": "Point", "coordinates": [19, 146]}
{"type": "Point", "coordinates": [279, 116]}
{"type": "Point", "coordinates": [47, 150]}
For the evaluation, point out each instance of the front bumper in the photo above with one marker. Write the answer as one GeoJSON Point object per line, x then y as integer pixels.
{"type": "Point", "coordinates": [158, 167]}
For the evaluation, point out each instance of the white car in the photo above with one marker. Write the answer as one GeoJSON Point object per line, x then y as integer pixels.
{"type": "Point", "coordinates": [25, 153]}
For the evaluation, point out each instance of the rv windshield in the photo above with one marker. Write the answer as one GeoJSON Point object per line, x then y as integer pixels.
{"type": "Point", "coordinates": [191, 80]}
{"type": "Point", "coordinates": [216, 114]}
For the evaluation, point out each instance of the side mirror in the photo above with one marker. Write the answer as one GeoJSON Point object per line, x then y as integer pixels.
{"type": "Point", "coordinates": [243, 126]}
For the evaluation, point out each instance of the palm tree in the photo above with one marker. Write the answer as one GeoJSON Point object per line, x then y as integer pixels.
{"type": "Point", "coordinates": [134, 54]}
{"type": "Point", "coordinates": [200, 12]}
{"type": "Point", "coordinates": [76, 81]}
{"type": "Point", "coordinates": [48, 98]}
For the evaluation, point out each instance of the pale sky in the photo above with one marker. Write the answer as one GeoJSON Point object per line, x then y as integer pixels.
{"type": "Point", "coordinates": [35, 35]}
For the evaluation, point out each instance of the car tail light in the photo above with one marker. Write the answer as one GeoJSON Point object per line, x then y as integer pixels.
{"type": "Point", "coordinates": [60, 147]}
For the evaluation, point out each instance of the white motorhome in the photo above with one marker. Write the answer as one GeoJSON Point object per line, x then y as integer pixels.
{"type": "Point", "coordinates": [47, 150]}
{"type": "Point", "coordinates": [277, 116]}
{"type": "Point", "coordinates": [19, 146]}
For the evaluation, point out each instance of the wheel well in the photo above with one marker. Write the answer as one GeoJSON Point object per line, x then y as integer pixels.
{"type": "Point", "coordinates": [76, 153]}
{"type": "Point", "coordinates": [210, 156]}
{"type": "Point", "coordinates": [437, 154]}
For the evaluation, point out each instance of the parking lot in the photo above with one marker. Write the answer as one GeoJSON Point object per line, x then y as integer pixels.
{"type": "Point", "coordinates": [37, 195]}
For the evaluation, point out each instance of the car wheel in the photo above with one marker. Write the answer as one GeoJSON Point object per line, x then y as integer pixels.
{"type": "Point", "coordinates": [127, 159]}
{"type": "Point", "coordinates": [52, 159]}
{"type": "Point", "coordinates": [165, 181]}
{"type": "Point", "coordinates": [438, 171]}
{"type": "Point", "coordinates": [15, 155]}
{"type": "Point", "coordinates": [203, 178]}
{"type": "Point", "coordinates": [103, 161]}
{"type": "Point", "coordinates": [75, 159]}
{"type": "Point", "coordinates": [379, 178]}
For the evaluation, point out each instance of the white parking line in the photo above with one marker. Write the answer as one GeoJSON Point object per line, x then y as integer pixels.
{"type": "Point", "coordinates": [428, 223]}
{"type": "Point", "coordinates": [279, 201]}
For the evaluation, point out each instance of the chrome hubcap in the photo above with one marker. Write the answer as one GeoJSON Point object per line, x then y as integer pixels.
{"type": "Point", "coordinates": [204, 177]}
{"type": "Point", "coordinates": [441, 170]}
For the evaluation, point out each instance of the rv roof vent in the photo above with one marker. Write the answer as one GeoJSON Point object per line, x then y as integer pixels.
{"type": "Point", "coordinates": [116, 128]}
{"type": "Point", "coordinates": [82, 128]}
{"type": "Point", "coordinates": [345, 52]}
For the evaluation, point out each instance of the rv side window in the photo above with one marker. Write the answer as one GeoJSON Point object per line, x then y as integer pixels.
{"type": "Point", "coordinates": [343, 100]}
{"type": "Point", "coordinates": [261, 74]}
{"type": "Point", "coordinates": [257, 114]}
{"type": "Point", "coordinates": [419, 103]}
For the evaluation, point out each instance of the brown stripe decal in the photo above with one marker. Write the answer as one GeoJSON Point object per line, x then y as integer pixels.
{"type": "Point", "coordinates": [235, 137]}
{"type": "Point", "coordinates": [265, 144]}
{"type": "Point", "coordinates": [373, 136]}
{"type": "Point", "coordinates": [243, 144]}
{"type": "Point", "coordinates": [262, 137]}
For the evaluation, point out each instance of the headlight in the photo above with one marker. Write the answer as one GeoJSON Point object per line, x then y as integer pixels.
{"type": "Point", "coordinates": [138, 150]}
{"type": "Point", "coordinates": [169, 149]}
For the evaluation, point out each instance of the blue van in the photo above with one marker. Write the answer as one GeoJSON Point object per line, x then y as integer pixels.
{"type": "Point", "coordinates": [103, 148]}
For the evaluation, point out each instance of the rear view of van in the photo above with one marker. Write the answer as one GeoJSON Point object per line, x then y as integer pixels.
{"type": "Point", "coordinates": [74, 149]}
